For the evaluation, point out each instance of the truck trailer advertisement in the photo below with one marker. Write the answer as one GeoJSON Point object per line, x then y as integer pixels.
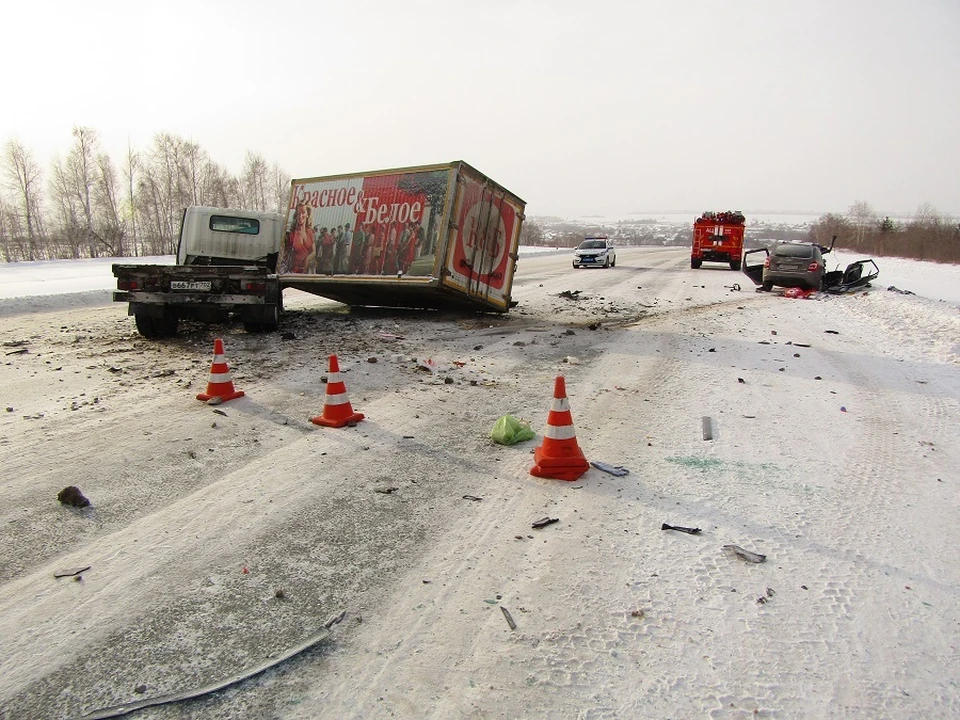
{"type": "Point", "coordinates": [447, 226]}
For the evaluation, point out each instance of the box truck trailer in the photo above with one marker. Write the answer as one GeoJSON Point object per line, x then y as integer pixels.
{"type": "Point", "coordinates": [437, 236]}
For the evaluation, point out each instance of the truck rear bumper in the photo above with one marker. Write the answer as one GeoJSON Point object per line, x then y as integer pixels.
{"type": "Point", "coordinates": [150, 298]}
{"type": "Point", "coordinates": [717, 256]}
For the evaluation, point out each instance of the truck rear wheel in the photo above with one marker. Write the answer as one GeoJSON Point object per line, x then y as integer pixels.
{"type": "Point", "coordinates": [735, 265]}
{"type": "Point", "coordinates": [156, 327]}
{"type": "Point", "coordinates": [695, 263]}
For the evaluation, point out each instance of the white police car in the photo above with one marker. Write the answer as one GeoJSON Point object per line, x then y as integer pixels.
{"type": "Point", "coordinates": [595, 252]}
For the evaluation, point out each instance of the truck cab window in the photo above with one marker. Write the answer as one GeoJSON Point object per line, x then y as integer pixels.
{"type": "Point", "coordinates": [244, 226]}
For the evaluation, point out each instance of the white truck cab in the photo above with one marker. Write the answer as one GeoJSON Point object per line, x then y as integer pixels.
{"type": "Point", "coordinates": [220, 236]}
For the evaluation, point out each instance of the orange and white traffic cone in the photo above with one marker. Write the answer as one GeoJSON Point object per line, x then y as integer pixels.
{"type": "Point", "coordinates": [559, 457]}
{"type": "Point", "coordinates": [220, 385]}
{"type": "Point", "coordinates": [337, 410]}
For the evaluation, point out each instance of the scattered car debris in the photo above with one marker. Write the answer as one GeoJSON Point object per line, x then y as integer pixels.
{"type": "Point", "coordinates": [472, 497]}
{"type": "Point", "coordinates": [832, 332]}
{"type": "Point", "coordinates": [741, 381]}
{"type": "Point", "coordinates": [763, 598]}
{"type": "Point", "coordinates": [70, 573]}
{"type": "Point", "coordinates": [639, 614]}
{"type": "Point", "coordinates": [127, 708]}
{"type": "Point", "coordinates": [71, 495]}
{"type": "Point", "coordinates": [856, 276]}
{"type": "Point", "coordinates": [898, 290]}
{"type": "Point", "coordinates": [335, 619]}
{"type": "Point", "coordinates": [387, 490]}
{"type": "Point", "coordinates": [617, 470]}
{"type": "Point", "coordinates": [745, 554]}
{"type": "Point", "coordinates": [570, 294]}
{"type": "Point", "coordinates": [280, 594]}
{"type": "Point", "coordinates": [707, 428]}
{"type": "Point", "coordinates": [543, 522]}
{"type": "Point", "coordinates": [689, 531]}
{"type": "Point", "coordinates": [220, 412]}
{"type": "Point", "coordinates": [508, 618]}
{"type": "Point", "coordinates": [21, 351]}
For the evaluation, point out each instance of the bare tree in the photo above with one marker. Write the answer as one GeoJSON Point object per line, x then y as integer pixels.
{"type": "Point", "coordinates": [23, 180]}
{"type": "Point", "coordinates": [254, 181]}
{"type": "Point", "coordinates": [531, 233]}
{"type": "Point", "coordinates": [864, 219]}
{"type": "Point", "coordinates": [7, 247]}
{"type": "Point", "coordinates": [280, 186]}
{"type": "Point", "coordinates": [131, 171]}
{"type": "Point", "coordinates": [67, 211]}
{"type": "Point", "coordinates": [109, 227]}
{"type": "Point", "coordinates": [830, 225]}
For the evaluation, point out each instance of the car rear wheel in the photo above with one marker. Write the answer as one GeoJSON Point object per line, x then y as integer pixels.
{"type": "Point", "coordinates": [767, 286]}
{"type": "Point", "coordinates": [695, 263]}
{"type": "Point", "coordinates": [606, 263]}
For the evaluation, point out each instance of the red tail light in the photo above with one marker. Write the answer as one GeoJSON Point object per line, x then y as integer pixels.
{"type": "Point", "coordinates": [812, 267]}
{"type": "Point", "coordinates": [128, 285]}
{"type": "Point", "coordinates": [766, 263]}
{"type": "Point", "coordinates": [255, 287]}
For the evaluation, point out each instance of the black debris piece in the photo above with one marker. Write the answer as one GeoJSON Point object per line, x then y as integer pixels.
{"type": "Point", "coordinates": [745, 554]}
{"type": "Point", "coordinates": [543, 522]}
{"type": "Point", "coordinates": [689, 531]}
{"type": "Point", "coordinates": [70, 573]}
{"type": "Point", "coordinates": [72, 496]}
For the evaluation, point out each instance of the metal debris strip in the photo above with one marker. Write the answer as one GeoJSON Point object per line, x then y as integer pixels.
{"type": "Point", "coordinates": [688, 531]}
{"type": "Point", "coordinates": [617, 470]}
{"type": "Point", "coordinates": [707, 427]}
{"type": "Point", "coordinates": [70, 573]}
{"type": "Point", "coordinates": [508, 617]}
{"type": "Point", "coordinates": [745, 554]}
{"type": "Point", "coordinates": [543, 522]}
{"type": "Point", "coordinates": [127, 708]}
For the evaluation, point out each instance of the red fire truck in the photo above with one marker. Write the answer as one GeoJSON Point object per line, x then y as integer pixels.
{"type": "Point", "coordinates": [718, 237]}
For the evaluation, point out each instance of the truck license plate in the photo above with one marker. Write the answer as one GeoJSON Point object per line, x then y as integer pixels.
{"type": "Point", "coordinates": [203, 285]}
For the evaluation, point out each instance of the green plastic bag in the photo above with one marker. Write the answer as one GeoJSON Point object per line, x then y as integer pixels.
{"type": "Point", "coordinates": [508, 431]}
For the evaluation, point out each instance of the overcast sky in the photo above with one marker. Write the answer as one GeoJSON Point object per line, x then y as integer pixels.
{"type": "Point", "coordinates": [578, 107]}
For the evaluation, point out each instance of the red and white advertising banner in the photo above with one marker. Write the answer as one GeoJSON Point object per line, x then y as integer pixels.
{"type": "Point", "coordinates": [381, 224]}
